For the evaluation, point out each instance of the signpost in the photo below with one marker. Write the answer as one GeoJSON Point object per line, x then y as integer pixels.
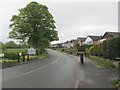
{"type": "Point", "coordinates": [31, 51]}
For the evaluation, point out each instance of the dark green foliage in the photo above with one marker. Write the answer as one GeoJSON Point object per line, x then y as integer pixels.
{"type": "Point", "coordinates": [11, 55]}
{"type": "Point", "coordinates": [10, 44]}
{"type": "Point", "coordinates": [109, 49]}
{"type": "Point", "coordinates": [113, 48]}
{"type": "Point", "coordinates": [34, 24]}
{"type": "Point", "coordinates": [104, 49]}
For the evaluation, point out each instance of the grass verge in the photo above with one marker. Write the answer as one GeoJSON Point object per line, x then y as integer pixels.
{"type": "Point", "coordinates": [115, 83]}
{"type": "Point", "coordinates": [102, 62]}
{"type": "Point", "coordinates": [44, 55]}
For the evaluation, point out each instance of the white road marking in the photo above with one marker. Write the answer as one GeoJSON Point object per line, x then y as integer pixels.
{"type": "Point", "coordinates": [30, 71]}
{"type": "Point", "coordinates": [54, 61]}
{"type": "Point", "coordinates": [77, 81]}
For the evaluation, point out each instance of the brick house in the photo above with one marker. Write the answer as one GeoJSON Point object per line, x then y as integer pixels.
{"type": "Point", "coordinates": [109, 35]}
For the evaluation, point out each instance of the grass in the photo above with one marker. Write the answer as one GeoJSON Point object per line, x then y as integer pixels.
{"type": "Point", "coordinates": [115, 83]}
{"type": "Point", "coordinates": [17, 50]}
{"type": "Point", "coordinates": [102, 62]}
{"type": "Point", "coordinates": [44, 55]}
{"type": "Point", "coordinates": [20, 50]}
{"type": "Point", "coordinates": [7, 61]}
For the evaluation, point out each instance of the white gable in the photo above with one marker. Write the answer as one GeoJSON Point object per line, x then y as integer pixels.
{"type": "Point", "coordinates": [88, 41]}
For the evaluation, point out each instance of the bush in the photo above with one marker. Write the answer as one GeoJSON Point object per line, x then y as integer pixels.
{"type": "Point", "coordinates": [11, 55]}
{"type": "Point", "coordinates": [113, 48]}
{"type": "Point", "coordinates": [62, 49]}
{"type": "Point", "coordinates": [109, 49]}
{"type": "Point", "coordinates": [83, 47]}
{"type": "Point", "coordinates": [115, 83]}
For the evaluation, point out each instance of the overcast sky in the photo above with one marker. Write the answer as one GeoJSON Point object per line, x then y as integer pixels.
{"type": "Point", "coordinates": [73, 19]}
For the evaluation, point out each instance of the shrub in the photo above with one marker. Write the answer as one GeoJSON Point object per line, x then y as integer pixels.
{"type": "Point", "coordinates": [115, 83]}
{"type": "Point", "coordinates": [113, 48]}
{"type": "Point", "coordinates": [11, 55]}
{"type": "Point", "coordinates": [109, 49]}
{"type": "Point", "coordinates": [83, 47]}
{"type": "Point", "coordinates": [62, 49]}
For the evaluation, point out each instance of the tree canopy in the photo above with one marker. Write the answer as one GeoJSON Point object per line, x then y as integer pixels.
{"type": "Point", "coordinates": [34, 24]}
{"type": "Point", "coordinates": [10, 44]}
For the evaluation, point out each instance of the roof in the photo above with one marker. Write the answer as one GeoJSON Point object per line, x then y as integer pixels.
{"type": "Point", "coordinates": [81, 38]}
{"type": "Point", "coordinates": [95, 38]}
{"type": "Point", "coordinates": [73, 40]}
{"type": "Point", "coordinates": [113, 34]}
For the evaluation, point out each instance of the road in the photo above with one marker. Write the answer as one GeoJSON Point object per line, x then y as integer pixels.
{"type": "Point", "coordinates": [59, 70]}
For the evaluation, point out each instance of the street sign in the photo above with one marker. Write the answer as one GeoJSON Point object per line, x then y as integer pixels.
{"type": "Point", "coordinates": [31, 51]}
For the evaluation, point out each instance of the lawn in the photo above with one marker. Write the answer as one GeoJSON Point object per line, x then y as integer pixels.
{"type": "Point", "coordinates": [20, 50]}
{"type": "Point", "coordinates": [105, 63]}
{"type": "Point", "coordinates": [17, 50]}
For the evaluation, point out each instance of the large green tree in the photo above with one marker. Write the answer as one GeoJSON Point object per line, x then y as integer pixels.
{"type": "Point", "coordinates": [34, 24]}
{"type": "Point", "coordinates": [10, 44]}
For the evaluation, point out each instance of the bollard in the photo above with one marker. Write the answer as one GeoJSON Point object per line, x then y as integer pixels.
{"type": "Point", "coordinates": [23, 57]}
{"type": "Point", "coordinates": [28, 57]}
{"type": "Point", "coordinates": [18, 58]}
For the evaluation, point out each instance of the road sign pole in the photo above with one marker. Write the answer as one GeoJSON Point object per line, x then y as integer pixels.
{"type": "Point", "coordinates": [23, 57]}
{"type": "Point", "coordinates": [18, 58]}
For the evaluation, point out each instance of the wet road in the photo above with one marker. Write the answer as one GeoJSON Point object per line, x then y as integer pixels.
{"type": "Point", "coordinates": [59, 70]}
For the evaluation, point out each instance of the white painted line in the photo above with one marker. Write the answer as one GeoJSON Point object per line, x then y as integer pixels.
{"type": "Point", "coordinates": [54, 61]}
{"type": "Point", "coordinates": [30, 71]}
{"type": "Point", "coordinates": [77, 81]}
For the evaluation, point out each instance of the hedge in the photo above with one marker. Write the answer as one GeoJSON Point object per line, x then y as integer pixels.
{"type": "Point", "coordinates": [12, 54]}
{"type": "Point", "coordinates": [109, 49]}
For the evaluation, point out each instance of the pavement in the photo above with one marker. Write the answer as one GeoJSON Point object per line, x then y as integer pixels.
{"type": "Point", "coordinates": [92, 76]}
{"type": "Point", "coordinates": [59, 70]}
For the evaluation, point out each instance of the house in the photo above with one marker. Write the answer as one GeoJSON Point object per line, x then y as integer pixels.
{"type": "Point", "coordinates": [73, 42]}
{"type": "Point", "coordinates": [58, 45]}
{"type": "Point", "coordinates": [81, 40]}
{"type": "Point", "coordinates": [92, 40]}
{"type": "Point", "coordinates": [109, 35]}
{"type": "Point", "coordinates": [66, 44]}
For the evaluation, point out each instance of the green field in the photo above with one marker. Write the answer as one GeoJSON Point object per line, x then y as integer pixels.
{"type": "Point", "coordinates": [18, 50]}
{"type": "Point", "coordinates": [13, 52]}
